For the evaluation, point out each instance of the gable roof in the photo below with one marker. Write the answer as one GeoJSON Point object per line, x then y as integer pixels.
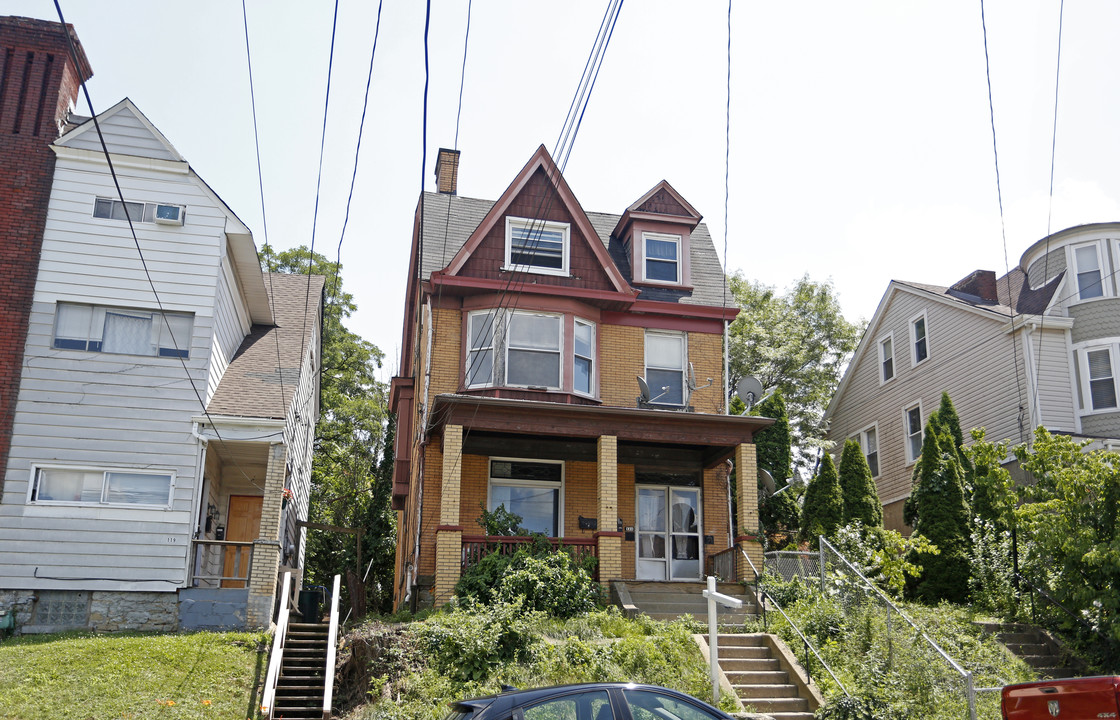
{"type": "Point", "coordinates": [661, 202]}
{"type": "Point", "coordinates": [253, 385]}
{"type": "Point", "coordinates": [123, 120]}
{"type": "Point", "coordinates": [540, 160]}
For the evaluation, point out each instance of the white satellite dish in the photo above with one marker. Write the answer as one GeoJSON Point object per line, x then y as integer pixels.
{"type": "Point", "coordinates": [767, 481]}
{"type": "Point", "coordinates": [749, 390]}
{"type": "Point", "coordinates": [643, 387]}
{"type": "Point", "coordinates": [692, 379]}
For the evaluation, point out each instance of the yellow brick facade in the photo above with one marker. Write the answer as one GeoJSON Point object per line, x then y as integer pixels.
{"type": "Point", "coordinates": [622, 351]}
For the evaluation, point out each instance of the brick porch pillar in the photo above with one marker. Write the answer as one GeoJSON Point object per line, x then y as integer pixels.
{"type": "Point", "coordinates": [266, 548]}
{"type": "Point", "coordinates": [746, 474]}
{"type": "Point", "coordinates": [608, 539]}
{"type": "Point", "coordinates": [449, 533]}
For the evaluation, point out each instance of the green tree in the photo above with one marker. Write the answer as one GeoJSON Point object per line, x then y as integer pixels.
{"type": "Point", "coordinates": [940, 513]}
{"type": "Point", "coordinates": [352, 465]}
{"type": "Point", "coordinates": [947, 416]}
{"type": "Point", "coordinates": [823, 510]}
{"type": "Point", "coordinates": [797, 342]}
{"type": "Point", "coordinates": [861, 499]}
{"type": "Point", "coordinates": [993, 491]}
{"type": "Point", "coordinates": [1071, 517]}
{"type": "Point", "coordinates": [777, 512]}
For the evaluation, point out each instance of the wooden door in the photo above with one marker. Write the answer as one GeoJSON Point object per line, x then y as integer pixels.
{"type": "Point", "coordinates": [243, 523]}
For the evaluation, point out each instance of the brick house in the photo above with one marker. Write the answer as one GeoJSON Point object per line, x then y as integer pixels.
{"type": "Point", "coordinates": [158, 408]}
{"type": "Point", "coordinates": [529, 327]}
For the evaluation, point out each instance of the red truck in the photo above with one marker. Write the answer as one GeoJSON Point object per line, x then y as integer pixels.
{"type": "Point", "coordinates": [1085, 698]}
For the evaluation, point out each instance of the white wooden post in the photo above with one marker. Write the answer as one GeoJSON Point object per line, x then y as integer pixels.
{"type": "Point", "coordinates": [713, 631]}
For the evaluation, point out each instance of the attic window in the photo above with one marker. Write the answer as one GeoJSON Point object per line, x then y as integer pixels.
{"type": "Point", "coordinates": [537, 246]}
{"type": "Point", "coordinates": [662, 258]}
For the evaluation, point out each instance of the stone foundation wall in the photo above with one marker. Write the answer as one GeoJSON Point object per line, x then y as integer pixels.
{"type": "Point", "coordinates": [147, 611]}
{"type": "Point", "coordinates": [19, 602]}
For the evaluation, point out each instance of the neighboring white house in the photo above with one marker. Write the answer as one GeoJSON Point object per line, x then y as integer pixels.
{"type": "Point", "coordinates": [167, 404]}
{"type": "Point", "coordinates": [1038, 346]}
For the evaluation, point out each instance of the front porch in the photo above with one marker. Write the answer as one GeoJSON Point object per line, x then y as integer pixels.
{"type": "Point", "coordinates": [646, 492]}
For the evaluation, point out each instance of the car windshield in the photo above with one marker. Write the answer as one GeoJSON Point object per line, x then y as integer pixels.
{"type": "Point", "coordinates": [646, 705]}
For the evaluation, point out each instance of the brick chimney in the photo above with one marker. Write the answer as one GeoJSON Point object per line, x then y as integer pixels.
{"type": "Point", "coordinates": [38, 85]}
{"type": "Point", "coordinates": [981, 283]}
{"type": "Point", "coordinates": [447, 171]}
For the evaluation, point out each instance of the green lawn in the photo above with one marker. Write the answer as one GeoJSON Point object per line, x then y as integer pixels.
{"type": "Point", "coordinates": [111, 677]}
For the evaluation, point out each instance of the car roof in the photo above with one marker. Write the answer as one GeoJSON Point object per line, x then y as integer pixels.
{"type": "Point", "coordinates": [515, 697]}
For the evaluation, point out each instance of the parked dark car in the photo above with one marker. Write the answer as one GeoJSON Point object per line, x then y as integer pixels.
{"type": "Point", "coordinates": [587, 701]}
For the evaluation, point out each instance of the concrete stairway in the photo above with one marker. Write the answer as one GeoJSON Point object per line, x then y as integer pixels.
{"type": "Point", "coordinates": [670, 600]}
{"type": "Point", "coordinates": [299, 690]}
{"type": "Point", "coordinates": [757, 676]}
{"type": "Point", "coordinates": [1036, 649]}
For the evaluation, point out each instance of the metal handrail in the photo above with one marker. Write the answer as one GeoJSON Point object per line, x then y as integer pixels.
{"type": "Point", "coordinates": [332, 649]}
{"type": "Point", "coordinates": [764, 596]}
{"type": "Point", "coordinates": [967, 675]}
{"type": "Point", "coordinates": [1086, 626]}
{"type": "Point", "coordinates": [268, 697]}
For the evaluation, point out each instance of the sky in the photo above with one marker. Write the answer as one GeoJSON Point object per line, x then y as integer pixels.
{"type": "Point", "coordinates": [861, 144]}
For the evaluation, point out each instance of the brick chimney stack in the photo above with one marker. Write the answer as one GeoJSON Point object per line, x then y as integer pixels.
{"type": "Point", "coordinates": [447, 171]}
{"type": "Point", "coordinates": [981, 283]}
{"type": "Point", "coordinates": [39, 84]}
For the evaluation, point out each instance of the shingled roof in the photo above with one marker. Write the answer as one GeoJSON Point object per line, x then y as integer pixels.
{"type": "Point", "coordinates": [253, 385]}
{"type": "Point", "coordinates": [1015, 296]}
{"type": "Point", "coordinates": [449, 221]}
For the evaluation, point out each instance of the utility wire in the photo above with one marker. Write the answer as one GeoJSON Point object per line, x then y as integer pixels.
{"type": "Point", "coordinates": [136, 240]}
{"type": "Point", "coordinates": [726, 203]}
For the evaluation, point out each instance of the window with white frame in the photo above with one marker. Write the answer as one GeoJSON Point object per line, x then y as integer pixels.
{"type": "Point", "coordinates": [662, 258]}
{"type": "Point", "coordinates": [912, 420]}
{"type": "Point", "coordinates": [868, 439]}
{"type": "Point", "coordinates": [886, 358]}
{"type": "Point", "coordinates": [665, 367]}
{"type": "Point", "coordinates": [537, 246]}
{"type": "Point", "coordinates": [532, 489]}
{"type": "Point", "coordinates": [919, 343]}
{"type": "Point", "coordinates": [87, 486]}
{"type": "Point", "coordinates": [1100, 378]}
{"type": "Point", "coordinates": [163, 213]}
{"type": "Point", "coordinates": [96, 328]}
{"type": "Point", "coordinates": [583, 350]}
{"type": "Point", "coordinates": [535, 350]}
{"type": "Point", "coordinates": [1087, 263]}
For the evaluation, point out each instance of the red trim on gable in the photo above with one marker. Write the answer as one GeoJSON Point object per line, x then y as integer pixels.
{"type": "Point", "coordinates": [465, 285]}
{"type": "Point", "coordinates": [544, 303]}
{"type": "Point", "coordinates": [663, 322]}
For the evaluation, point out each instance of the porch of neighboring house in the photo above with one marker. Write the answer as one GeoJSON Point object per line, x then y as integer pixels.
{"type": "Point", "coordinates": [242, 538]}
{"type": "Point", "coordinates": [645, 492]}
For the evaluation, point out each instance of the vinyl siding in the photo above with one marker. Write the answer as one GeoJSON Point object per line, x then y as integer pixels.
{"type": "Point", "coordinates": [124, 134]}
{"type": "Point", "coordinates": [969, 356]}
{"type": "Point", "coordinates": [1053, 404]}
{"type": "Point", "coordinates": [231, 325]}
{"type": "Point", "coordinates": [1047, 267]}
{"type": "Point", "coordinates": [299, 434]}
{"type": "Point", "coordinates": [102, 410]}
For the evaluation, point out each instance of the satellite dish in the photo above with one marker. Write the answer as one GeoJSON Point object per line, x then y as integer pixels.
{"type": "Point", "coordinates": [749, 390]}
{"type": "Point", "coordinates": [767, 481]}
{"type": "Point", "coordinates": [692, 379]}
{"type": "Point", "coordinates": [643, 386]}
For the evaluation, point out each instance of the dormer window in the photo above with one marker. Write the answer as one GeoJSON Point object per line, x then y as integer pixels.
{"type": "Point", "coordinates": [662, 257]}
{"type": "Point", "coordinates": [537, 246]}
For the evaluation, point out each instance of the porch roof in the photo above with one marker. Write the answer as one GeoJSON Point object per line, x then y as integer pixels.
{"type": "Point", "coordinates": [716, 435]}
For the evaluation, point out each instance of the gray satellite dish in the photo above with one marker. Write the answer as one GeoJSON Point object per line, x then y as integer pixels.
{"type": "Point", "coordinates": [767, 481]}
{"type": "Point", "coordinates": [643, 387]}
{"type": "Point", "coordinates": [749, 390]}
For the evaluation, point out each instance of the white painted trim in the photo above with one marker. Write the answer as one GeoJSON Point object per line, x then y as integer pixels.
{"type": "Point", "coordinates": [564, 228]}
{"type": "Point", "coordinates": [133, 162]}
{"type": "Point", "coordinates": [104, 470]}
{"type": "Point", "coordinates": [684, 365]}
{"type": "Point", "coordinates": [906, 435]}
{"type": "Point", "coordinates": [860, 436]}
{"type": "Point", "coordinates": [237, 421]}
{"type": "Point", "coordinates": [923, 316]}
{"type": "Point", "coordinates": [576, 320]}
{"type": "Point", "coordinates": [559, 387]}
{"type": "Point", "coordinates": [667, 237]}
{"type": "Point", "coordinates": [1081, 357]}
{"type": "Point", "coordinates": [668, 535]}
{"type": "Point", "coordinates": [894, 357]}
{"type": "Point", "coordinates": [1102, 269]}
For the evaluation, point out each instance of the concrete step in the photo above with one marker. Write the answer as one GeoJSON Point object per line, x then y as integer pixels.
{"type": "Point", "coordinates": [725, 619]}
{"type": "Point", "coordinates": [748, 692]}
{"type": "Point", "coordinates": [741, 640]}
{"type": "Point", "coordinates": [1017, 638]}
{"type": "Point", "coordinates": [732, 652]}
{"type": "Point", "coordinates": [758, 677]}
{"type": "Point", "coordinates": [771, 705]}
{"type": "Point", "coordinates": [748, 664]}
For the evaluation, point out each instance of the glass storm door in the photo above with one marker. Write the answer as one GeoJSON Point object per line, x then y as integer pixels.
{"type": "Point", "coordinates": [668, 533]}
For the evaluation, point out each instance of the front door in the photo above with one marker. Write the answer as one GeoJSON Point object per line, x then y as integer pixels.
{"type": "Point", "coordinates": [668, 533]}
{"type": "Point", "coordinates": [243, 524]}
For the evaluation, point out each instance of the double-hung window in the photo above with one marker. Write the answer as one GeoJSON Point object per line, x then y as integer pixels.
{"type": "Point", "coordinates": [919, 343]}
{"type": "Point", "coordinates": [482, 329]}
{"type": "Point", "coordinates": [886, 358]}
{"type": "Point", "coordinates": [120, 330]}
{"type": "Point", "coordinates": [912, 418]}
{"type": "Point", "coordinates": [1101, 379]}
{"type": "Point", "coordinates": [1088, 266]}
{"type": "Point", "coordinates": [532, 489]}
{"type": "Point", "coordinates": [537, 246]}
{"type": "Point", "coordinates": [533, 350]}
{"type": "Point", "coordinates": [869, 442]}
{"type": "Point", "coordinates": [101, 487]}
{"type": "Point", "coordinates": [583, 365]}
{"type": "Point", "coordinates": [662, 257]}
{"type": "Point", "coordinates": [526, 349]}
{"type": "Point", "coordinates": [665, 367]}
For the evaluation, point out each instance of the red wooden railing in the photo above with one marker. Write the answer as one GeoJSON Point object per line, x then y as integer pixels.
{"type": "Point", "coordinates": [475, 546]}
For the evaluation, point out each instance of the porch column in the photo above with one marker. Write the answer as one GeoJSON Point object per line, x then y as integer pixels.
{"type": "Point", "coordinates": [608, 539]}
{"type": "Point", "coordinates": [449, 533]}
{"type": "Point", "coordinates": [746, 474]}
{"type": "Point", "coordinates": [266, 548]}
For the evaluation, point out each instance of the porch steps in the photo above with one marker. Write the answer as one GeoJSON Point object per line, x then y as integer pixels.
{"type": "Point", "coordinates": [671, 600]}
{"type": "Point", "coordinates": [1036, 649]}
{"type": "Point", "coordinates": [299, 690]}
{"type": "Point", "coordinates": [758, 678]}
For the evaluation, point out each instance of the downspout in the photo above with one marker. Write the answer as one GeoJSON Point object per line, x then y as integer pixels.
{"type": "Point", "coordinates": [420, 431]}
{"type": "Point", "coordinates": [726, 366]}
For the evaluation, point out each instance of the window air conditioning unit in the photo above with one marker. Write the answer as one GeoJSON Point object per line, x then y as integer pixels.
{"type": "Point", "coordinates": [170, 214]}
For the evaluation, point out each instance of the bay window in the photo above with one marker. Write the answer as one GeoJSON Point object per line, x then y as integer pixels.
{"type": "Point", "coordinates": [526, 349]}
{"type": "Point", "coordinates": [533, 350]}
{"type": "Point", "coordinates": [583, 365]}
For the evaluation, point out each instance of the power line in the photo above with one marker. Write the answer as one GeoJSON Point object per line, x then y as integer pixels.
{"type": "Point", "coordinates": [726, 204]}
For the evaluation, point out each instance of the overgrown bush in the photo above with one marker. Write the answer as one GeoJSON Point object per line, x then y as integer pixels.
{"type": "Point", "coordinates": [992, 582]}
{"type": "Point", "coordinates": [883, 556]}
{"type": "Point", "coordinates": [553, 584]}
{"type": "Point", "coordinates": [855, 708]}
{"type": "Point", "coordinates": [470, 641]}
